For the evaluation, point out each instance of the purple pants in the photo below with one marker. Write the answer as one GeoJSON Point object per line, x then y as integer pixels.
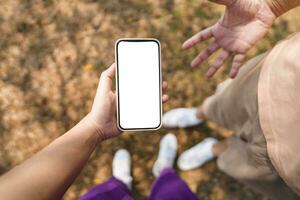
{"type": "Point", "coordinates": [168, 186]}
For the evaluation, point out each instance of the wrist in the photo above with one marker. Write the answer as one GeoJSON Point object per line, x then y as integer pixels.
{"type": "Point", "coordinates": [95, 129]}
{"type": "Point", "coordinates": [279, 7]}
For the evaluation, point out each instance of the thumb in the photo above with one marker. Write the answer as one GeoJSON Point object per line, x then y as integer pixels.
{"type": "Point", "coordinates": [106, 79]}
{"type": "Point", "coordinates": [223, 2]}
{"type": "Point", "coordinates": [104, 85]}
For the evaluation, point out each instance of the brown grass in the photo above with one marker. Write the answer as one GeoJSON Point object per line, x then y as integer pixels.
{"type": "Point", "coordinates": [51, 55]}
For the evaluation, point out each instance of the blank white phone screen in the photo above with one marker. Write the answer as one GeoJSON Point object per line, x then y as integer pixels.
{"type": "Point", "coordinates": [139, 94]}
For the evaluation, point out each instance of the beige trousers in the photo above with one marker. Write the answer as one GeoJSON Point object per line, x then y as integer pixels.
{"type": "Point", "coordinates": [235, 107]}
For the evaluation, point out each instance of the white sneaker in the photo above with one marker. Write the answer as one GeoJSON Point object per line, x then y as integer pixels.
{"type": "Point", "coordinates": [181, 117]}
{"type": "Point", "coordinates": [121, 167]}
{"type": "Point", "coordinates": [198, 155]}
{"type": "Point", "coordinates": [166, 155]}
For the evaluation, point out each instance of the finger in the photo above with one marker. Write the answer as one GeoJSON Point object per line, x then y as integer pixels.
{"type": "Point", "coordinates": [218, 63]}
{"type": "Point", "coordinates": [199, 37]}
{"type": "Point", "coordinates": [165, 98]}
{"type": "Point", "coordinates": [164, 85]}
{"type": "Point", "coordinates": [106, 78]}
{"type": "Point", "coordinates": [236, 64]}
{"type": "Point", "coordinates": [204, 54]}
{"type": "Point", "coordinates": [110, 72]}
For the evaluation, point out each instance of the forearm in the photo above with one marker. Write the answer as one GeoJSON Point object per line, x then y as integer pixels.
{"type": "Point", "coordinates": [49, 173]}
{"type": "Point", "coordinates": [280, 7]}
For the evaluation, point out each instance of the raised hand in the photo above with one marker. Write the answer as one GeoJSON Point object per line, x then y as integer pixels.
{"type": "Point", "coordinates": [242, 25]}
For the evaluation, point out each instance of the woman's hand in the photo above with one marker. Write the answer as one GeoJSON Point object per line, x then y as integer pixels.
{"type": "Point", "coordinates": [103, 113]}
{"type": "Point", "coordinates": [242, 25]}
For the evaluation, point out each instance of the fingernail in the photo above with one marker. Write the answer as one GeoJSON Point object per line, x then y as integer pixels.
{"type": "Point", "coordinates": [184, 45]}
{"type": "Point", "coordinates": [210, 72]}
{"type": "Point", "coordinates": [232, 74]}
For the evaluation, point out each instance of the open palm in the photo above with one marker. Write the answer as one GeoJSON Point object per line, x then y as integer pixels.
{"type": "Point", "coordinates": [242, 25]}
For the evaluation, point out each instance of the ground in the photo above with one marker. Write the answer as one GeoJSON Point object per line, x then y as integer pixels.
{"type": "Point", "coordinates": [52, 53]}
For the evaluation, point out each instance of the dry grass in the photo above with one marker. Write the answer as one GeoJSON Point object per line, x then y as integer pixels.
{"type": "Point", "coordinates": [51, 54]}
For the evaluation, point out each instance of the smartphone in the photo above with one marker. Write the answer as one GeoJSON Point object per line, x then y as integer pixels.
{"type": "Point", "coordinates": [138, 84]}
